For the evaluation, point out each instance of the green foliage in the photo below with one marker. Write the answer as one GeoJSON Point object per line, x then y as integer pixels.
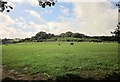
{"type": "Point", "coordinates": [42, 3]}
{"type": "Point", "coordinates": [45, 3]}
{"type": "Point", "coordinates": [77, 35]}
{"type": "Point", "coordinates": [42, 36]}
{"type": "Point", "coordinates": [68, 34]}
{"type": "Point", "coordinates": [3, 6]}
{"type": "Point", "coordinates": [117, 33]}
{"type": "Point", "coordinates": [62, 35]}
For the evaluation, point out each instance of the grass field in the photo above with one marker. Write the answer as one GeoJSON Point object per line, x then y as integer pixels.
{"type": "Point", "coordinates": [49, 58]}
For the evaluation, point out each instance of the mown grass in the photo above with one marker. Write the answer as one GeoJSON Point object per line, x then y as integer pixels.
{"type": "Point", "coordinates": [53, 59]}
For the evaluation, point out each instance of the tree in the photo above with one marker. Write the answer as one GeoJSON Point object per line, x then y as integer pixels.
{"type": "Point", "coordinates": [68, 34]}
{"type": "Point", "coordinates": [41, 35]}
{"type": "Point", "coordinates": [62, 35]}
{"type": "Point", "coordinates": [77, 35]}
{"type": "Point", "coordinates": [117, 30]}
{"type": "Point", "coordinates": [27, 39]}
{"type": "Point", "coordinates": [117, 33]}
{"type": "Point", "coordinates": [3, 6]}
{"type": "Point", "coordinates": [43, 3]}
{"type": "Point", "coordinates": [4, 41]}
{"type": "Point", "coordinates": [49, 36]}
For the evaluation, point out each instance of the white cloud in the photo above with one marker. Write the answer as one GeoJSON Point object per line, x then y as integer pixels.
{"type": "Point", "coordinates": [32, 2]}
{"type": "Point", "coordinates": [64, 10]}
{"type": "Point", "coordinates": [38, 27]}
{"type": "Point", "coordinates": [60, 27]}
{"type": "Point", "coordinates": [9, 32]}
{"type": "Point", "coordinates": [99, 18]}
{"type": "Point", "coordinates": [5, 22]}
{"type": "Point", "coordinates": [17, 28]}
{"type": "Point", "coordinates": [5, 19]}
{"type": "Point", "coordinates": [33, 13]}
{"type": "Point", "coordinates": [7, 29]}
{"type": "Point", "coordinates": [89, 18]}
{"type": "Point", "coordinates": [20, 22]}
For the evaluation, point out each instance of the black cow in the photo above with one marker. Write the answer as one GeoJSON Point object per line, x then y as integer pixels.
{"type": "Point", "coordinates": [58, 44]}
{"type": "Point", "coordinates": [71, 43]}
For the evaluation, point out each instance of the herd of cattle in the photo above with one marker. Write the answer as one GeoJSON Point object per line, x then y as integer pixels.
{"type": "Point", "coordinates": [70, 44]}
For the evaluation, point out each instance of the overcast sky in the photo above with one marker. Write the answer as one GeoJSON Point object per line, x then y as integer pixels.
{"type": "Point", "coordinates": [27, 18]}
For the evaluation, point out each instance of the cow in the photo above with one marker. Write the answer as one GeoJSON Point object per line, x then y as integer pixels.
{"type": "Point", "coordinates": [58, 44]}
{"type": "Point", "coordinates": [71, 43]}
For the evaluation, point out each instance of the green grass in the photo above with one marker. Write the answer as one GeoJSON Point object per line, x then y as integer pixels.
{"type": "Point", "coordinates": [54, 59]}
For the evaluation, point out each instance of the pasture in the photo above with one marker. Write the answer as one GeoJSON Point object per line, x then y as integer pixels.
{"type": "Point", "coordinates": [49, 59]}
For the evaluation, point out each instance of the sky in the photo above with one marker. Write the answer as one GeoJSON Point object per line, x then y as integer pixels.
{"type": "Point", "coordinates": [28, 18]}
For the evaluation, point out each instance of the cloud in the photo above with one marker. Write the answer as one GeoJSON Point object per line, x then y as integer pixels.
{"type": "Point", "coordinates": [9, 32]}
{"type": "Point", "coordinates": [21, 23]}
{"type": "Point", "coordinates": [32, 2]}
{"type": "Point", "coordinates": [60, 27]}
{"type": "Point", "coordinates": [33, 13]}
{"type": "Point", "coordinates": [18, 28]}
{"type": "Point", "coordinates": [5, 22]}
{"type": "Point", "coordinates": [89, 18]}
{"type": "Point", "coordinates": [48, 11]}
{"type": "Point", "coordinates": [5, 19]}
{"type": "Point", "coordinates": [64, 10]}
{"type": "Point", "coordinates": [7, 29]}
{"type": "Point", "coordinates": [99, 18]}
{"type": "Point", "coordinates": [38, 27]}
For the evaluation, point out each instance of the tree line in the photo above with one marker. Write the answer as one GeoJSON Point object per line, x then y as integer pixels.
{"type": "Point", "coordinates": [64, 37]}
{"type": "Point", "coordinates": [43, 36]}
{"type": "Point", "coordinates": [68, 36]}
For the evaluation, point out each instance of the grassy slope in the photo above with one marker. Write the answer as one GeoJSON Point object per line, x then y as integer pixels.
{"type": "Point", "coordinates": [55, 60]}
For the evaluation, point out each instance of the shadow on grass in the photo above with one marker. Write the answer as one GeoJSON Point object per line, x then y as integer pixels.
{"type": "Point", "coordinates": [69, 78]}
{"type": "Point", "coordinates": [7, 79]}
{"type": "Point", "coordinates": [113, 76]}
{"type": "Point", "coordinates": [72, 78]}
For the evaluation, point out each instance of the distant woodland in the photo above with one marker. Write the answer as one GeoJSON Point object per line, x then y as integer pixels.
{"type": "Point", "coordinates": [63, 37]}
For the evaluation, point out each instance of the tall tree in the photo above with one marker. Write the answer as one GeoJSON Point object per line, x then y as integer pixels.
{"type": "Point", "coordinates": [68, 34]}
{"type": "Point", "coordinates": [40, 35]}
{"type": "Point", "coordinates": [62, 35]}
{"type": "Point", "coordinates": [77, 35]}
{"type": "Point", "coordinates": [49, 35]}
{"type": "Point", "coordinates": [117, 33]}
{"type": "Point", "coordinates": [3, 6]}
{"type": "Point", "coordinates": [43, 3]}
{"type": "Point", "coordinates": [117, 30]}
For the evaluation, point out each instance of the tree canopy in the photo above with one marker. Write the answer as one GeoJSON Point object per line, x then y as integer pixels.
{"type": "Point", "coordinates": [3, 6]}
{"type": "Point", "coordinates": [117, 30]}
{"type": "Point", "coordinates": [68, 34]}
{"type": "Point", "coordinates": [117, 33]}
{"type": "Point", "coordinates": [77, 35]}
{"type": "Point", "coordinates": [45, 3]}
{"type": "Point", "coordinates": [42, 3]}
